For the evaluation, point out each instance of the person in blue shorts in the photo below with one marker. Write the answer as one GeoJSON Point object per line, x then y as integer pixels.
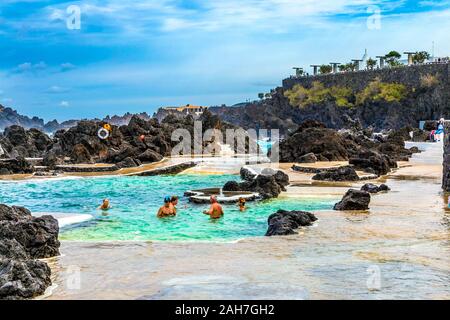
{"type": "Point", "coordinates": [440, 130]}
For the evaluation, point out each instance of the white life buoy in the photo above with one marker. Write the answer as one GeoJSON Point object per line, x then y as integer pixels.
{"type": "Point", "coordinates": [103, 133]}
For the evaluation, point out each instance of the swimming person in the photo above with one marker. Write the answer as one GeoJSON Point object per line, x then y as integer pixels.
{"type": "Point", "coordinates": [241, 204]}
{"type": "Point", "coordinates": [105, 205]}
{"type": "Point", "coordinates": [166, 210]}
{"type": "Point", "coordinates": [173, 203]}
{"type": "Point", "coordinates": [215, 211]}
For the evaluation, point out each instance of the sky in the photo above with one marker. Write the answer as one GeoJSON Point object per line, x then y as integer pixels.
{"type": "Point", "coordinates": [83, 59]}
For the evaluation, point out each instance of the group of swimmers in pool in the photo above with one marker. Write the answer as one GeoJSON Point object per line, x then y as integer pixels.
{"type": "Point", "coordinates": [169, 209]}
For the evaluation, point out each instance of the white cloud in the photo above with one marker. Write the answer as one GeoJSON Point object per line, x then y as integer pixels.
{"type": "Point", "coordinates": [28, 66]}
{"type": "Point", "coordinates": [56, 89]}
{"type": "Point", "coordinates": [67, 66]}
{"type": "Point", "coordinates": [24, 66]}
{"type": "Point", "coordinates": [64, 104]}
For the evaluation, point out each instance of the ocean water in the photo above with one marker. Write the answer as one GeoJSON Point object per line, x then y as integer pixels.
{"type": "Point", "coordinates": [135, 202]}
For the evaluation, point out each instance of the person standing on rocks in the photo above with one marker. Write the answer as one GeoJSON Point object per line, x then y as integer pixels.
{"type": "Point", "coordinates": [215, 211]}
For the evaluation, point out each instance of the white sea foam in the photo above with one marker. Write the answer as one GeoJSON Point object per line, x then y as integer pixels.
{"type": "Point", "coordinates": [66, 219]}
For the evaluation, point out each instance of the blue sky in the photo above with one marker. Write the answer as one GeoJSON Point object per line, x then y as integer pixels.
{"type": "Point", "coordinates": [138, 55]}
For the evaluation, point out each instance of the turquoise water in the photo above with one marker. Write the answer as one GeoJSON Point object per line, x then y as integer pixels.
{"type": "Point", "coordinates": [135, 201]}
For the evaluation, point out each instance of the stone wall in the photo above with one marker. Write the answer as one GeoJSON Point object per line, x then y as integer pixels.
{"type": "Point", "coordinates": [408, 75]}
{"type": "Point", "coordinates": [446, 173]}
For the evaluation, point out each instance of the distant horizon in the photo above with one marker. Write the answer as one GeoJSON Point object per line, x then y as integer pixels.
{"type": "Point", "coordinates": [69, 60]}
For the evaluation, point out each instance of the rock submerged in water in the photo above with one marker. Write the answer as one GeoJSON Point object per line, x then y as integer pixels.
{"type": "Point", "coordinates": [232, 186]}
{"type": "Point", "coordinates": [373, 188]}
{"type": "Point", "coordinates": [354, 200]}
{"type": "Point", "coordinates": [24, 238]}
{"type": "Point", "coordinates": [269, 183]}
{"type": "Point", "coordinates": [285, 222]}
{"type": "Point", "coordinates": [344, 173]}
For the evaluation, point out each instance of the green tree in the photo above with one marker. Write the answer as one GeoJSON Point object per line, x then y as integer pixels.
{"type": "Point", "coordinates": [392, 58]}
{"type": "Point", "coordinates": [371, 63]}
{"type": "Point", "coordinates": [421, 57]}
{"type": "Point", "coordinates": [325, 68]}
{"type": "Point", "coordinates": [351, 66]}
{"type": "Point", "coordinates": [261, 96]}
{"type": "Point", "coordinates": [267, 95]}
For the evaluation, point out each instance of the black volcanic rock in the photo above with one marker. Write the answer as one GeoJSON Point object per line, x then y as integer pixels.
{"type": "Point", "coordinates": [149, 156]}
{"type": "Point", "coordinates": [446, 167]}
{"type": "Point", "coordinates": [373, 188]}
{"type": "Point", "coordinates": [344, 173]}
{"type": "Point", "coordinates": [285, 222]}
{"type": "Point", "coordinates": [231, 186]}
{"type": "Point", "coordinates": [307, 158]}
{"type": "Point", "coordinates": [281, 178]}
{"type": "Point", "coordinates": [24, 238]}
{"type": "Point", "coordinates": [247, 174]}
{"type": "Point", "coordinates": [51, 160]}
{"type": "Point", "coordinates": [11, 249]}
{"type": "Point", "coordinates": [15, 166]}
{"type": "Point", "coordinates": [269, 184]}
{"type": "Point", "coordinates": [23, 279]}
{"type": "Point", "coordinates": [80, 154]}
{"type": "Point", "coordinates": [373, 162]}
{"type": "Point", "coordinates": [129, 163]}
{"type": "Point", "coordinates": [266, 186]}
{"type": "Point", "coordinates": [354, 200]}
{"type": "Point", "coordinates": [326, 144]}
{"type": "Point", "coordinates": [38, 235]}
{"type": "Point", "coordinates": [17, 141]}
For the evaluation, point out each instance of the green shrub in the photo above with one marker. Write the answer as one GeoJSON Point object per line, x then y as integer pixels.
{"type": "Point", "coordinates": [302, 97]}
{"type": "Point", "coordinates": [377, 91]}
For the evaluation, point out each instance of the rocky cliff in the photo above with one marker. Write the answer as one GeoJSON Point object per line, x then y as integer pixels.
{"type": "Point", "coordinates": [427, 97]}
{"type": "Point", "coordinates": [446, 173]}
